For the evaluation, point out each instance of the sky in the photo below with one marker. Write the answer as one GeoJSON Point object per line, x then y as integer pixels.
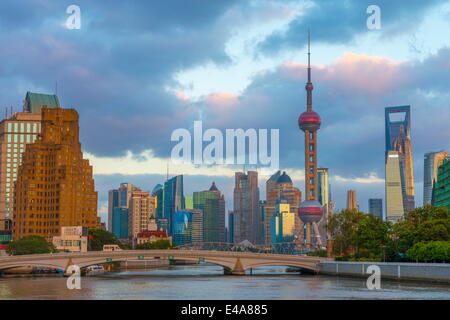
{"type": "Point", "coordinates": [137, 70]}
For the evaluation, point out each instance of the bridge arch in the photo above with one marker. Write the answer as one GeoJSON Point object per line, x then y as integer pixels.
{"type": "Point", "coordinates": [302, 266]}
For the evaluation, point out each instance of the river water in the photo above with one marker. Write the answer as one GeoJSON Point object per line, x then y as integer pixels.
{"type": "Point", "coordinates": [208, 282]}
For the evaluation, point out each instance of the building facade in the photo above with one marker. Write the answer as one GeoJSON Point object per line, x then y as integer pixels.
{"type": "Point", "coordinates": [246, 208]}
{"type": "Point", "coordinates": [16, 131]}
{"type": "Point", "coordinates": [432, 161]}
{"type": "Point", "coordinates": [173, 200]}
{"type": "Point", "coordinates": [212, 204]}
{"type": "Point", "coordinates": [182, 227]}
{"type": "Point", "coordinates": [283, 223]}
{"type": "Point", "coordinates": [118, 209]}
{"type": "Point", "coordinates": [72, 239]}
{"type": "Point", "coordinates": [398, 139]}
{"type": "Point", "coordinates": [279, 186]}
{"type": "Point", "coordinates": [442, 193]}
{"type": "Point", "coordinates": [376, 207]}
{"type": "Point", "coordinates": [141, 212]}
{"type": "Point", "coordinates": [394, 192]}
{"type": "Point", "coordinates": [352, 202]}
{"type": "Point", "coordinates": [55, 185]}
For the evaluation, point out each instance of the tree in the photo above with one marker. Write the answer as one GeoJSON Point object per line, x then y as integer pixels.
{"type": "Point", "coordinates": [371, 237]}
{"type": "Point", "coordinates": [30, 245]}
{"type": "Point", "coordinates": [430, 251]}
{"type": "Point", "coordinates": [161, 244]}
{"type": "Point", "coordinates": [99, 237]}
{"type": "Point", "coordinates": [427, 223]}
{"type": "Point", "coordinates": [341, 227]}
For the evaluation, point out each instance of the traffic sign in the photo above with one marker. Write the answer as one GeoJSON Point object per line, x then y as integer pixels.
{"type": "Point", "coordinates": [170, 257]}
{"type": "Point", "coordinates": [201, 259]}
{"type": "Point", "coordinates": [140, 257]}
{"type": "Point", "coordinates": [108, 259]}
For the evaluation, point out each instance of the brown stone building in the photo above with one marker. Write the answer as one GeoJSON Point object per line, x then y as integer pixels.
{"type": "Point", "coordinates": [16, 131]}
{"type": "Point", "coordinates": [54, 186]}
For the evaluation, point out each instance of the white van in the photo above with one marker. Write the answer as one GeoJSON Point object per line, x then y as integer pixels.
{"type": "Point", "coordinates": [111, 247]}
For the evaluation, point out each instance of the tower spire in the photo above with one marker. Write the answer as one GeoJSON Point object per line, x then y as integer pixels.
{"type": "Point", "coordinates": [309, 86]}
{"type": "Point", "coordinates": [309, 56]}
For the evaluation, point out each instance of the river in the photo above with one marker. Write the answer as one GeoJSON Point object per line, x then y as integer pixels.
{"type": "Point", "coordinates": [208, 282]}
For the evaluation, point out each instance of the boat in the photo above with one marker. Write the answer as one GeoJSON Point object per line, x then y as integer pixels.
{"type": "Point", "coordinates": [95, 269]}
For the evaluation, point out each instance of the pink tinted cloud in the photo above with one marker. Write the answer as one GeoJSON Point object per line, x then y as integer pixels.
{"type": "Point", "coordinates": [370, 74]}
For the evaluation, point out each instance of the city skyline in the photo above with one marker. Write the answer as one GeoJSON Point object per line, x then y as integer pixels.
{"type": "Point", "coordinates": [179, 95]}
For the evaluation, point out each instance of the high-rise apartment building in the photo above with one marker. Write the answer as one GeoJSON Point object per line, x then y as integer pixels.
{"type": "Point", "coordinates": [246, 208]}
{"type": "Point", "coordinates": [398, 139]}
{"type": "Point", "coordinates": [352, 202]}
{"type": "Point", "coordinates": [376, 207]}
{"type": "Point", "coordinates": [211, 202]}
{"type": "Point", "coordinates": [141, 212]}
{"type": "Point", "coordinates": [16, 131]}
{"type": "Point", "coordinates": [279, 186]}
{"type": "Point", "coordinates": [432, 161]}
{"type": "Point", "coordinates": [55, 185]}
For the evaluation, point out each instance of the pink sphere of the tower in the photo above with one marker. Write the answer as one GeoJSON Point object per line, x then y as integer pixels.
{"type": "Point", "coordinates": [309, 120]}
{"type": "Point", "coordinates": [310, 211]}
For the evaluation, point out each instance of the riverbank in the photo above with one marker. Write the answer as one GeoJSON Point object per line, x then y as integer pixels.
{"type": "Point", "coordinates": [431, 272]}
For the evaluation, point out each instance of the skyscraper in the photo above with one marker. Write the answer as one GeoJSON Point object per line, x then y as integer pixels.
{"type": "Point", "coordinates": [158, 192]}
{"type": "Point", "coordinates": [173, 200]}
{"type": "Point", "coordinates": [310, 211]}
{"type": "Point", "coordinates": [16, 131]}
{"type": "Point", "coordinates": [324, 192]}
{"type": "Point", "coordinates": [230, 226]}
{"type": "Point", "coordinates": [376, 207]}
{"type": "Point", "coordinates": [278, 186]}
{"type": "Point", "coordinates": [323, 186]}
{"type": "Point", "coordinates": [432, 161]}
{"type": "Point", "coordinates": [283, 223]}
{"type": "Point", "coordinates": [442, 192]}
{"type": "Point", "coordinates": [352, 202]}
{"type": "Point", "coordinates": [182, 227]}
{"type": "Point", "coordinates": [246, 208]}
{"type": "Point", "coordinates": [119, 198]}
{"type": "Point", "coordinates": [211, 202]}
{"type": "Point", "coordinates": [55, 185]}
{"type": "Point", "coordinates": [141, 212]}
{"type": "Point", "coordinates": [394, 192]}
{"type": "Point", "coordinates": [398, 139]}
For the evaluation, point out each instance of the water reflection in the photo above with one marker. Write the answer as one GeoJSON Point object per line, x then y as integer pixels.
{"type": "Point", "coordinates": [208, 282]}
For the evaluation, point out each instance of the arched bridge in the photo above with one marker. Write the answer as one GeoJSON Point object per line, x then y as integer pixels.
{"type": "Point", "coordinates": [233, 262]}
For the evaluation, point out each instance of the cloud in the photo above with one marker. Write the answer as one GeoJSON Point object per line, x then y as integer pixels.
{"type": "Point", "coordinates": [340, 22]}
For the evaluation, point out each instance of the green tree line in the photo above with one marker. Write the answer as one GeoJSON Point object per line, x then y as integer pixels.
{"type": "Point", "coordinates": [422, 234]}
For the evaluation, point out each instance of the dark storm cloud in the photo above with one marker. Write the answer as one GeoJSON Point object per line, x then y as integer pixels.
{"type": "Point", "coordinates": [339, 22]}
{"type": "Point", "coordinates": [116, 69]}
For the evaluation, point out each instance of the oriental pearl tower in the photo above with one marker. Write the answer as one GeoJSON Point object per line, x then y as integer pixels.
{"type": "Point", "coordinates": [310, 211]}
